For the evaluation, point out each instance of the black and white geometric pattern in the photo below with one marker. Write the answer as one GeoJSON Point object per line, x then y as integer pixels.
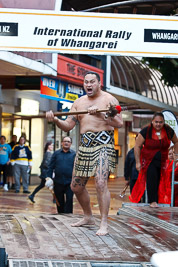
{"type": "Point", "coordinates": [91, 139]}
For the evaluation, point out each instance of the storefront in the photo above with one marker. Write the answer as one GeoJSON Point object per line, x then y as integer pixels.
{"type": "Point", "coordinates": [20, 123]}
{"type": "Point", "coordinates": [57, 94]}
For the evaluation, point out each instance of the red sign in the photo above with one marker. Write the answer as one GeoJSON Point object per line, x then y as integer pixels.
{"type": "Point", "coordinates": [74, 71]}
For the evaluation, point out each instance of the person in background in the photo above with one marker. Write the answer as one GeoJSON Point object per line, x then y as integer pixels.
{"type": "Point", "coordinates": [21, 158]}
{"type": "Point", "coordinates": [5, 151]}
{"type": "Point", "coordinates": [48, 149]}
{"type": "Point", "coordinates": [61, 165]}
{"type": "Point", "coordinates": [168, 175]}
{"type": "Point", "coordinates": [130, 171]}
{"type": "Point", "coordinates": [151, 161]}
{"type": "Point", "coordinates": [170, 159]}
{"type": "Point", "coordinates": [13, 141]}
{"type": "Point", "coordinates": [176, 179]}
{"type": "Point", "coordinates": [10, 172]}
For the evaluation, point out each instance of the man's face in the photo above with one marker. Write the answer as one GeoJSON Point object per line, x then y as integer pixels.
{"type": "Point", "coordinates": [66, 143]}
{"type": "Point", "coordinates": [2, 140]}
{"type": "Point", "coordinates": [91, 85]}
{"type": "Point", "coordinates": [14, 138]}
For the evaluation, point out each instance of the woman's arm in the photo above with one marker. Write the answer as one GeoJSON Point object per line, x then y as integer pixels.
{"type": "Point", "coordinates": [175, 142]}
{"type": "Point", "coordinates": [46, 160]}
{"type": "Point", "coordinates": [137, 150]}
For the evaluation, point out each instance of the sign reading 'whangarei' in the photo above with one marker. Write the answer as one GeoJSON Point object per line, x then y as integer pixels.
{"type": "Point", "coordinates": [89, 33]}
{"type": "Point", "coordinates": [161, 36]}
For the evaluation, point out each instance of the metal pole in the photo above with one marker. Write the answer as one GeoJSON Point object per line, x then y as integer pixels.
{"type": "Point", "coordinates": [146, 196]}
{"type": "Point", "coordinates": [172, 185]}
{"type": "Point", "coordinates": [1, 101]}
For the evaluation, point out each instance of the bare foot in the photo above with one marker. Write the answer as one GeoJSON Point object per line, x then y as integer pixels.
{"type": "Point", "coordinates": [84, 221]}
{"type": "Point", "coordinates": [154, 205]}
{"type": "Point", "coordinates": [103, 229]}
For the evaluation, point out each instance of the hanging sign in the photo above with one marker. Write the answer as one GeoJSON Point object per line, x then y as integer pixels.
{"type": "Point", "coordinates": [59, 90]}
{"type": "Point", "coordinates": [89, 33]}
{"type": "Point", "coordinates": [171, 120]}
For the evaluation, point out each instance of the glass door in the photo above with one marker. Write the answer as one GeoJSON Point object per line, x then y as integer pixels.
{"type": "Point", "coordinates": [22, 127]}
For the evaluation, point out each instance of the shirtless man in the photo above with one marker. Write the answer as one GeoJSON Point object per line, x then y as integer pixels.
{"type": "Point", "coordinates": [96, 154]}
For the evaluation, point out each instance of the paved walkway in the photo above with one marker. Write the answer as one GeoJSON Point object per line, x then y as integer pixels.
{"type": "Point", "coordinates": [10, 202]}
{"type": "Point", "coordinates": [35, 232]}
{"type": "Point", "coordinates": [39, 236]}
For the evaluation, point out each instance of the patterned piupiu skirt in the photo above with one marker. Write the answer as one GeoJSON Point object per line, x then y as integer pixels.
{"type": "Point", "coordinates": [96, 150]}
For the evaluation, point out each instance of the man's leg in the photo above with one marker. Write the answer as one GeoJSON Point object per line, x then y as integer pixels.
{"type": "Point", "coordinates": [78, 187]}
{"type": "Point", "coordinates": [68, 206]}
{"type": "Point", "coordinates": [103, 194]}
{"type": "Point", "coordinates": [59, 193]}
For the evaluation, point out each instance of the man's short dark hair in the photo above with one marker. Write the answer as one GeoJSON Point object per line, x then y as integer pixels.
{"type": "Point", "coordinates": [2, 136]}
{"type": "Point", "coordinates": [65, 137]}
{"type": "Point", "coordinates": [94, 73]}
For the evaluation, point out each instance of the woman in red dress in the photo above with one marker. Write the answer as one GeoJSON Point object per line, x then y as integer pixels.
{"type": "Point", "coordinates": [151, 161]}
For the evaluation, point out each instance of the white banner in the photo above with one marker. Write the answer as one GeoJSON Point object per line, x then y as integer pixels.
{"type": "Point", "coordinates": [171, 120]}
{"type": "Point", "coordinates": [89, 33]}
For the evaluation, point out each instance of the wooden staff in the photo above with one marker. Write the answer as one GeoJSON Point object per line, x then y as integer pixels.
{"type": "Point", "coordinates": [112, 111]}
{"type": "Point", "coordinates": [123, 193]}
{"type": "Point", "coordinates": [54, 197]}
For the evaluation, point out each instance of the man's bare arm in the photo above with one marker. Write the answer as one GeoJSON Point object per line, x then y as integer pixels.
{"type": "Point", "coordinates": [137, 150]}
{"type": "Point", "coordinates": [65, 125]}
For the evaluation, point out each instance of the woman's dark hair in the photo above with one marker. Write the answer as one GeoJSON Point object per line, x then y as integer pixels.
{"type": "Point", "coordinates": [160, 114]}
{"type": "Point", "coordinates": [94, 73]}
{"type": "Point", "coordinates": [46, 146]}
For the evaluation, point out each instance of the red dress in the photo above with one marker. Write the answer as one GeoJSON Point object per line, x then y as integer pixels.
{"type": "Point", "coordinates": [176, 187]}
{"type": "Point", "coordinates": [169, 181]}
{"type": "Point", "coordinates": [151, 147]}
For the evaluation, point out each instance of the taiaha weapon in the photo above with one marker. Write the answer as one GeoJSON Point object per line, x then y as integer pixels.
{"type": "Point", "coordinates": [49, 185]}
{"type": "Point", "coordinates": [54, 197]}
{"type": "Point", "coordinates": [123, 193]}
{"type": "Point", "coordinates": [110, 112]}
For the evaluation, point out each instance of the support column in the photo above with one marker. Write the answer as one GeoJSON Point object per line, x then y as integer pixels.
{"type": "Point", "coordinates": [1, 101]}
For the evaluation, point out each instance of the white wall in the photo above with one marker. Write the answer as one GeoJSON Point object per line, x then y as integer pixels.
{"type": "Point", "coordinates": [37, 143]}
